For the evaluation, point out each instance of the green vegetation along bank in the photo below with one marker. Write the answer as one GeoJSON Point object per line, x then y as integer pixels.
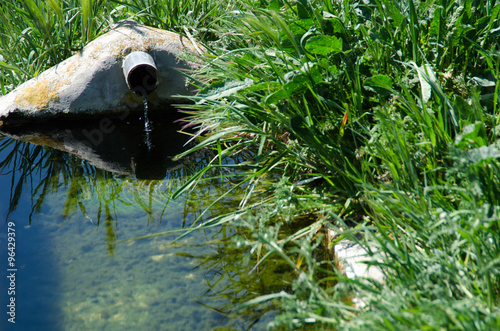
{"type": "Point", "coordinates": [377, 118]}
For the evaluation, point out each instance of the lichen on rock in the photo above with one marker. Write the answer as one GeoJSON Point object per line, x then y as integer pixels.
{"type": "Point", "coordinates": [91, 82]}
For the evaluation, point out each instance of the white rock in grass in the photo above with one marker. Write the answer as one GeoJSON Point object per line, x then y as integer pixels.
{"type": "Point", "coordinates": [353, 260]}
{"type": "Point", "coordinates": [91, 82]}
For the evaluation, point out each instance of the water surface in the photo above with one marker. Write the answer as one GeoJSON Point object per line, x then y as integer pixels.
{"type": "Point", "coordinates": [77, 204]}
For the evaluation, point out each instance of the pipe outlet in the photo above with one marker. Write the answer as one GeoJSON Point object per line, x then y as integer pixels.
{"type": "Point", "coordinates": [140, 72]}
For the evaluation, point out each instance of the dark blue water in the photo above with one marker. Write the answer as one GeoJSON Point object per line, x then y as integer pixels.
{"type": "Point", "coordinates": [37, 274]}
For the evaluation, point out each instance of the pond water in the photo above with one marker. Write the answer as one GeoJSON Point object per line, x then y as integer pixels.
{"type": "Point", "coordinates": [78, 208]}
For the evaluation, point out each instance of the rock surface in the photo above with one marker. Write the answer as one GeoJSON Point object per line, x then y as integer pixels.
{"type": "Point", "coordinates": [91, 82]}
{"type": "Point", "coordinates": [354, 261]}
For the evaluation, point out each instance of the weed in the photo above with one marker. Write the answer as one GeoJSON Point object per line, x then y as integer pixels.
{"type": "Point", "coordinates": [377, 118]}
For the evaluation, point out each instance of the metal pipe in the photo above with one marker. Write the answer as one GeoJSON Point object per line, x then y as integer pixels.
{"type": "Point", "coordinates": [140, 72]}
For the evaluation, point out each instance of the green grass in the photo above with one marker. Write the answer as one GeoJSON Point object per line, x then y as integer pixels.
{"type": "Point", "coordinates": [378, 118]}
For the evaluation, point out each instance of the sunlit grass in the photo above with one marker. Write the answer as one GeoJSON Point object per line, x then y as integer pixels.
{"type": "Point", "coordinates": [376, 118]}
{"type": "Point", "coordinates": [367, 113]}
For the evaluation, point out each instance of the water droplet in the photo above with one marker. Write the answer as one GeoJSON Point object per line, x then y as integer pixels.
{"type": "Point", "coordinates": [147, 123]}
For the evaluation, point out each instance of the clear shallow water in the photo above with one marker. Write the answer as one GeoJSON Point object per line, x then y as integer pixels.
{"type": "Point", "coordinates": [76, 270]}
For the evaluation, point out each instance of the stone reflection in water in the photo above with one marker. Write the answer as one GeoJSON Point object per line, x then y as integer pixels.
{"type": "Point", "coordinates": [115, 144]}
{"type": "Point", "coordinates": [88, 214]}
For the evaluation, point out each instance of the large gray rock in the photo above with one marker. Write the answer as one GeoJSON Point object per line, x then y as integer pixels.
{"type": "Point", "coordinates": [91, 82]}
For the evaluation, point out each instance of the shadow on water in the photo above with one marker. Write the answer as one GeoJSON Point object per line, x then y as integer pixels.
{"type": "Point", "coordinates": [29, 265]}
{"type": "Point", "coordinates": [115, 144]}
{"type": "Point", "coordinates": [75, 190]}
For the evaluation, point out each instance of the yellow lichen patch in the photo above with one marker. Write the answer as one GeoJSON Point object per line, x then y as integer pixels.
{"type": "Point", "coordinates": [39, 95]}
{"type": "Point", "coordinates": [95, 52]}
{"type": "Point", "coordinates": [71, 68]}
{"type": "Point", "coordinates": [43, 140]}
{"type": "Point", "coordinates": [122, 50]}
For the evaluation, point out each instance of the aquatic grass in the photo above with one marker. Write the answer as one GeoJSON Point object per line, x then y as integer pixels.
{"type": "Point", "coordinates": [29, 159]}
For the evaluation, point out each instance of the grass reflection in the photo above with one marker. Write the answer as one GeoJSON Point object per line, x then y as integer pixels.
{"type": "Point", "coordinates": [23, 162]}
{"type": "Point", "coordinates": [97, 194]}
{"type": "Point", "coordinates": [234, 274]}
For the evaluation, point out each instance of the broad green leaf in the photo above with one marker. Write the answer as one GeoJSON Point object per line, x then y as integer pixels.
{"type": "Point", "coordinates": [380, 84]}
{"type": "Point", "coordinates": [292, 88]}
{"type": "Point", "coordinates": [394, 12]}
{"type": "Point", "coordinates": [274, 5]}
{"type": "Point", "coordinates": [435, 27]}
{"type": "Point", "coordinates": [297, 81]}
{"type": "Point", "coordinates": [494, 14]}
{"type": "Point", "coordinates": [323, 45]}
{"type": "Point", "coordinates": [301, 26]}
{"type": "Point", "coordinates": [464, 111]}
{"type": "Point", "coordinates": [425, 76]}
{"type": "Point", "coordinates": [472, 135]}
{"type": "Point", "coordinates": [428, 83]}
{"type": "Point", "coordinates": [338, 27]}
{"type": "Point", "coordinates": [482, 22]}
{"type": "Point", "coordinates": [308, 71]}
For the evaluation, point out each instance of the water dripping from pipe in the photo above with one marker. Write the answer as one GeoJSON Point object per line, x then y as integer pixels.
{"type": "Point", "coordinates": [147, 123]}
